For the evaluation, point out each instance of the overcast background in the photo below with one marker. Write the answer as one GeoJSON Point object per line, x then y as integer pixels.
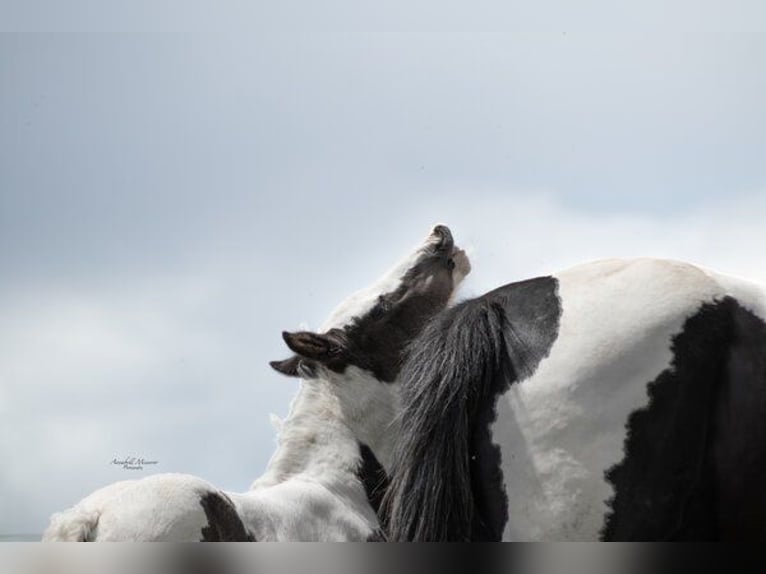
{"type": "Point", "coordinates": [183, 184]}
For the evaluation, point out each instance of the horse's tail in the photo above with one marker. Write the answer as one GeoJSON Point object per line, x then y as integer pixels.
{"type": "Point", "coordinates": [451, 367]}
{"type": "Point", "coordinates": [73, 525]}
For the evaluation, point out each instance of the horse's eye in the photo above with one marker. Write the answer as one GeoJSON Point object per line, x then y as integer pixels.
{"type": "Point", "coordinates": [450, 264]}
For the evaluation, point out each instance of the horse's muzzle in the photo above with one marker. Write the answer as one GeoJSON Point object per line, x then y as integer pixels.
{"type": "Point", "coordinates": [443, 241]}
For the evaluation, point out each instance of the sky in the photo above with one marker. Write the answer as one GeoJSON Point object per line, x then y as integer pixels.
{"type": "Point", "coordinates": [180, 184]}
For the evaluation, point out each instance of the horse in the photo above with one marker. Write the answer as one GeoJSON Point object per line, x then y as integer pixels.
{"type": "Point", "coordinates": [326, 478]}
{"type": "Point", "coordinates": [617, 400]}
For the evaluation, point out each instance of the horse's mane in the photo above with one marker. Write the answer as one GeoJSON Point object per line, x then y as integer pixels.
{"type": "Point", "coordinates": [450, 369]}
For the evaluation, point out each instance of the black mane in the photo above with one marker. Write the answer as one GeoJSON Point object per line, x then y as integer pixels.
{"type": "Point", "coordinates": [456, 369]}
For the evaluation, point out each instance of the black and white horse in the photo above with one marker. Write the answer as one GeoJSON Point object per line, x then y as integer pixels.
{"type": "Point", "coordinates": [326, 477]}
{"type": "Point", "coordinates": [618, 400]}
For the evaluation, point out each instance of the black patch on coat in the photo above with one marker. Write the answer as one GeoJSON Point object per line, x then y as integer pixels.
{"type": "Point", "coordinates": [223, 521]}
{"type": "Point", "coordinates": [373, 476]}
{"type": "Point", "coordinates": [531, 311]}
{"type": "Point", "coordinates": [739, 443]}
{"type": "Point", "coordinates": [695, 456]}
{"type": "Point", "coordinates": [447, 480]}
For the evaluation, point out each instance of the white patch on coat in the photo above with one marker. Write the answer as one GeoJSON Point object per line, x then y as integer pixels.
{"type": "Point", "coordinates": [563, 427]}
{"type": "Point", "coordinates": [161, 507]}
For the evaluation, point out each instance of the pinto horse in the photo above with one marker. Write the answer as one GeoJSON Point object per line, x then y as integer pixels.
{"type": "Point", "coordinates": [618, 400]}
{"type": "Point", "coordinates": [325, 479]}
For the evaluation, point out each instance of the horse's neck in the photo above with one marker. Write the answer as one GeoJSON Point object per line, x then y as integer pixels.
{"type": "Point", "coordinates": [320, 441]}
{"type": "Point", "coordinates": [369, 409]}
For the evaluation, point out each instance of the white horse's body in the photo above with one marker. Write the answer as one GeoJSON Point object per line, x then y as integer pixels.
{"type": "Point", "coordinates": [617, 400]}
{"type": "Point", "coordinates": [313, 488]}
{"type": "Point", "coordinates": [563, 428]}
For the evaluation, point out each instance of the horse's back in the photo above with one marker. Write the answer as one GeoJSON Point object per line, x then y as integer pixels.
{"type": "Point", "coordinates": [163, 507]}
{"type": "Point", "coordinates": [622, 406]}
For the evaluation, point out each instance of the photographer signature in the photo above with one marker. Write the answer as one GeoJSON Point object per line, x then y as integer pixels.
{"type": "Point", "coordinates": [133, 463]}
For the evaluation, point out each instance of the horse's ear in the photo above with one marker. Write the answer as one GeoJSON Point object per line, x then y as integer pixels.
{"type": "Point", "coordinates": [287, 367]}
{"type": "Point", "coordinates": [313, 345]}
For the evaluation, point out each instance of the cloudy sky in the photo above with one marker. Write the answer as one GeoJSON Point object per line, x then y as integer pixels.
{"type": "Point", "coordinates": [178, 186]}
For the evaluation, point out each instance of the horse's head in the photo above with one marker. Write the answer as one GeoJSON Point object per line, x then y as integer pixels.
{"type": "Point", "coordinates": [370, 330]}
